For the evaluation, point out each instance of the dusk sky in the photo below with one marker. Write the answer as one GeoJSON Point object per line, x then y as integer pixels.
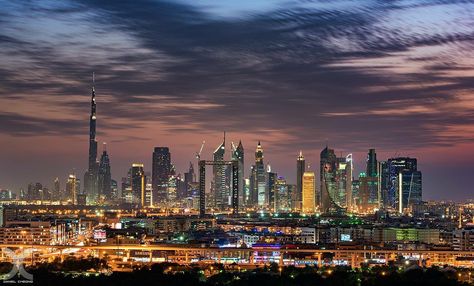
{"type": "Point", "coordinates": [397, 76]}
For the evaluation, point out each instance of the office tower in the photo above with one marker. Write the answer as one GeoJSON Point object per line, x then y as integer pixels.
{"type": "Point", "coordinates": [91, 176]}
{"type": "Point", "coordinates": [283, 200]}
{"type": "Point", "coordinates": [300, 169]}
{"type": "Point", "coordinates": [220, 190]}
{"type": "Point", "coordinates": [370, 194]}
{"type": "Point", "coordinates": [161, 171]}
{"type": "Point", "coordinates": [328, 193]}
{"type": "Point", "coordinates": [405, 183]}
{"type": "Point", "coordinates": [189, 180]}
{"type": "Point", "coordinates": [104, 177]}
{"type": "Point", "coordinates": [384, 178]}
{"type": "Point", "coordinates": [238, 155]}
{"type": "Point", "coordinates": [309, 185]}
{"type": "Point", "coordinates": [343, 182]}
{"type": "Point", "coordinates": [114, 190]}
{"type": "Point", "coordinates": [137, 186]}
{"type": "Point", "coordinates": [247, 192]}
{"type": "Point", "coordinates": [271, 185]}
{"type": "Point", "coordinates": [34, 191]}
{"type": "Point", "coordinates": [126, 189]}
{"type": "Point", "coordinates": [148, 190]}
{"type": "Point", "coordinates": [71, 189]}
{"type": "Point", "coordinates": [355, 194]}
{"type": "Point", "coordinates": [56, 195]}
{"type": "Point", "coordinates": [172, 189]}
{"type": "Point", "coordinates": [258, 185]}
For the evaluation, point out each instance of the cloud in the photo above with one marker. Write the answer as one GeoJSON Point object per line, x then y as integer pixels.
{"type": "Point", "coordinates": [304, 71]}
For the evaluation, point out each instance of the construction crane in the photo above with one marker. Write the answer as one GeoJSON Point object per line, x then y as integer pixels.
{"type": "Point", "coordinates": [198, 154]}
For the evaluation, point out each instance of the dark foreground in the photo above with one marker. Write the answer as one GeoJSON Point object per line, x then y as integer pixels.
{"type": "Point", "coordinates": [213, 275]}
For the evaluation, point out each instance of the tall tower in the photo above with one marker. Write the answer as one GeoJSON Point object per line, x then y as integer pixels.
{"type": "Point", "coordinates": [137, 181]}
{"type": "Point", "coordinates": [221, 191]}
{"type": "Point", "coordinates": [161, 171]}
{"type": "Point", "coordinates": [104, 176]}
{"type": "Point", "coordinates": [90, 177]}
{"type": "Point", "coordinates": [309, 186]}
{"type": "Point", "coordinates": [238, 155]}
{"type": "Point", "coordinates": [328, 162]}
{"type": "Point", "coordinates": [372, 163]}
{"type": "Point", "coordinates": [300, 169]}
{"type": "Point", "coordinates": [260, 184]}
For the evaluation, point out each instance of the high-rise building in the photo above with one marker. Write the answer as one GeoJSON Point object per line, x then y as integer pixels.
{"type": "Point", "coordinates": [405, 183]}
{"type": "Point", "coordinates": [271, 185]}
{"type": "Point", "coordinates": [34, 191]}
{"type": "Point", "coordinates": [258, 185]}
{"type": "Point", "coordinates": [372, 168]}
{"type": "Point", "coordinates": [189, 180]}
{"type": "Point", "coordinates": [300, 169]}
{"type": "Point", "coordinates": [220, 189]}
{"type": "Point", "coordinates": [309, 199]}
{"type": "Point", "coordinates": [343, 182]}
{"type": "Point", "coordinates": [238, 155]}
{"type": "Point", "coordinates": [282, 194]}
{"type": "Point", "coordinates": [328, 191]}
{"type": "Point", "coordinates": [91, 175]}
{"type": "Point", "coordinates": [104, 177]}
{"type": "Point", "coordinates": [138, 185]}
{"type": "Point", "coordinates": [114, 190]}
{"type": "Point", "coordinates": [71, 189]}
{"type": "Point", "coordinates": [56, 195]}
{"type": "Point", "coordinates": [161, 171]}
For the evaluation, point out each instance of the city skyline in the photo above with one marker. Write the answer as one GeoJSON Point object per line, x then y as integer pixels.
{"type": "Point", "coordinates": [151, 96]}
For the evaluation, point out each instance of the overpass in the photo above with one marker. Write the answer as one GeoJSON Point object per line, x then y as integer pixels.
{"type": "Point", "coordinates": [260, 255]}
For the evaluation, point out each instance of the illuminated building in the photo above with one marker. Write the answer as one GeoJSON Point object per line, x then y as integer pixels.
{"type": "Point", "coordinates": [271, 180]}
{"type": "Point", "coordinates": [56, 195]}
{"type": "Point", "coordinates": [220, 190]}
{"type": "Point", "coordinates": [104, 176]}
{"type": "Point", "coordinates": [300, 169]}
{"type": "Point", "coordinates": [189, 180]}
{"type": "Point", "coordinates": [343, 182]}
{"type": "Point", "coordinates": [463, 239]}
{"type": "Point", "coordinates": [161, 171]}
{"type": "Point", "coordinates": [309, 186]}
{"type": "Point", "coordinates": [32, 232]}
{"type": "Point", "coordinates": [238, 155]}
{"type": "Point", "coordinates": [333, 178]}
{"type": "Point", "coordinates": [71, 188]}
{"type": "Point", "coordinates": [282, 194]}
{"type": "Point", "coordinates": [405, 184]}
{"type": "Point", "coordinates": [91, 176]}
{"type": "Point", "coordinates": [34, 191]}
{"type": "Point", "coordinates": [137, 186]}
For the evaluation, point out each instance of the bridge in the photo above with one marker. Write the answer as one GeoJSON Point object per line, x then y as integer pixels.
{"type": "Point", "coordinates": [185, 254]}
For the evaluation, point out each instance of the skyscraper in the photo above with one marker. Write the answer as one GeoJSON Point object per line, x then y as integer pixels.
{"type": "Point", "coordinates": [238, 155]}
{"type": "Point", "coordinates": [300, 169]}
{"type": "Point", "coordinates": [370, 184]}
{"type": "Point", "coordinates": [259, 191]}
{"type": "Point", "coordinates": [271, 185]}
{"type": "Point", "coordinates": [138, 184]}
{"type": "Point", "coordinates": [161, 171]}
{"type": "Point", "coordinates": [405, 183]}
{"type": "Point", "coordinates": [328, 190]}
{"type": "Point", "coordinates": [309, 184]}
{"type": "Point", "coordinates": [91, 176]}
{"type": "Point", "coordinates": [56, 190]}
{"type": "Point", "coordinates": [220, 189]}
{"type": "Point", "coordinates": [189, 180]}
{"type": "Point", "coordinates": [71, 189]}
{"type": "Point", "coordinates": [104, 176]}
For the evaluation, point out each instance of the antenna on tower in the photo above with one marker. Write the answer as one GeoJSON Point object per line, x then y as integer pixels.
{"type": "Point", "coordinates": [93, 81]}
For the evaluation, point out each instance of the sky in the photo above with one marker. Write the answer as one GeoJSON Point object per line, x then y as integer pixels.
{"type": "Point", "coordinates": [397, 76]}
